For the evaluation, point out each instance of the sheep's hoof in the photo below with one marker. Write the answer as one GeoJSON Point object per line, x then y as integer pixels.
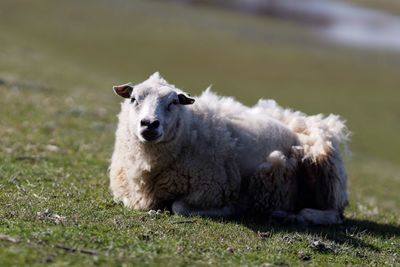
{"type": "Point", "coordinates": [180, 208]}
{"type": "Point", "coordinates": [319, 217]}
{"type": "Point", "coordinates": [283, 217]}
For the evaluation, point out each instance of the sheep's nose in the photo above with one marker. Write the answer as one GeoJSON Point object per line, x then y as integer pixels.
{"type": "Point", "coordinates": [150, 124]}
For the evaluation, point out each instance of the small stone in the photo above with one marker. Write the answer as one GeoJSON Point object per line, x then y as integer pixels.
{"type": "Point", "coordinates": [264, 234]}
{"type": "Point", "coordinates": [52, 148]}
{"type": "Point", "coordinates": [9, 238]}
{"type": "Point", "coordinates": [266, 265]}
{"type": "Point", "coordinates": [230, 250]}
{"type": "Point", "coordinates": [304, 256]}
{"type": "Point", "coordinates": [152, 213]}
{"type": "Point", "coordinates": [47, 214]}
{"type": "Point", "coordinates": [319, 246]}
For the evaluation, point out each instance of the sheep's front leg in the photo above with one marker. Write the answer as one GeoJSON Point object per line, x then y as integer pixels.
{"type": "Point", "coordinates": [319, 217]}
{"type": "Point", "coordinates": [208, 202]}
{"type": "Point", "coordinates": [310, 216]}
{"type": "Point", "coordinates": [215, 191]}
{"type": "Point", "coordinates": [180, 207]}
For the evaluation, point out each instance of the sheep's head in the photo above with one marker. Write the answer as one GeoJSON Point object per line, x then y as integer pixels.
{"type": "Point", "coordinates": [155, 107]}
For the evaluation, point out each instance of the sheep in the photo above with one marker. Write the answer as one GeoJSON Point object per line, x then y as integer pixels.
{"type": "Point", "coordinates": [213, 156]}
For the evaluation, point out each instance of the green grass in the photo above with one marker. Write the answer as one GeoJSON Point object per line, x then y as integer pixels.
{"type": "Point", "coordinates": [58, 61]}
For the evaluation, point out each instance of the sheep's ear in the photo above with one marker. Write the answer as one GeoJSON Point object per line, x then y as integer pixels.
{"type": "Point", "coordinates": [185, 99]}
{"type": "Point", "coordinates": [124, 90]}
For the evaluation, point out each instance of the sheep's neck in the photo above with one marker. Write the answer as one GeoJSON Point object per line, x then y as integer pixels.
{"type": "Point", "coordinates": [154, 158]}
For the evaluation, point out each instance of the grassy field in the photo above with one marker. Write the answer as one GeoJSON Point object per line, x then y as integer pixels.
{"type": "Point", "coordinates": [58, 62]}
{"type": "Point", "coordinates": [390, 6]}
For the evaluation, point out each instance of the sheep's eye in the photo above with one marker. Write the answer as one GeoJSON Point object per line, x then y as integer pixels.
{"type": "Point", "coordinates": [174, 102]}
{"type": "Point", "coordinates": [133, 100]}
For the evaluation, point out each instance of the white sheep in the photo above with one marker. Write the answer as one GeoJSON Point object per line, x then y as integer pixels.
{"type": "Point", "coordinates": [213, 156]}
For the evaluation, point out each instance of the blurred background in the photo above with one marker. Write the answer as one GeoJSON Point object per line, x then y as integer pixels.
{"type": "Point", "coordinates": [61, 58]}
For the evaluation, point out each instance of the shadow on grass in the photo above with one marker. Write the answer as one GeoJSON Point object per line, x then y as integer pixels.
{"type": "Point", "coordinates": [350, 233]}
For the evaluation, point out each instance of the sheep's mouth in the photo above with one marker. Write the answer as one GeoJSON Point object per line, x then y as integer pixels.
{"type": "Point", "coordinates": [150, 136]}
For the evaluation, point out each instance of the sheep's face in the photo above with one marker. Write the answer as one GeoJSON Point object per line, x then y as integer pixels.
{"type": "Point", "coordinates": [154, 108]}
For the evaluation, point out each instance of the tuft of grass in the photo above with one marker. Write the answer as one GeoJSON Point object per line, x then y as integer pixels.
{"type": "Point", "coordinates": [57, 120]}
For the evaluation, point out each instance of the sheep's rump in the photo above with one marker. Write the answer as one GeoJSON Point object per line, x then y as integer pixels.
{"type": "Point", "coordinates": [312, 176]}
